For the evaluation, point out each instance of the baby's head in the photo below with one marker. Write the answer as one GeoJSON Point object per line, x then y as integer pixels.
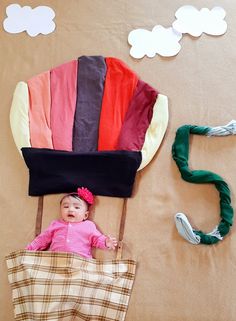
{"type": "Point", "coordinates": [74, 207]}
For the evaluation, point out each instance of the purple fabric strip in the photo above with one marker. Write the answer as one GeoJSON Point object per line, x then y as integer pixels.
{"type": "Point", "coordinates": [91, 77]}
{"type": "Point", "coordinates": [137, 118]}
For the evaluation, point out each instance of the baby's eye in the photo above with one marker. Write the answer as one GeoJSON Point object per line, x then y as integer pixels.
{"type": "Point", "coordinates": [65, 206]}
{"type": "Point", "coordinates": [77, 207]}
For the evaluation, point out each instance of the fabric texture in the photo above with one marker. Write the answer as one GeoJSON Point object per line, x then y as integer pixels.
{"type": "Point", "coordinates": [40, 110]}
{"type": "Point", "coordinates": [64, 286]}
{"type": "Point", "coordinates": [90, 104]}
{"type": "Point", "coordinates": [156, 130]}
{"type": "Point", "coordinates": [119, 89]}
{"type": "Point", "coordinates": [185, 229]}
{"type": "Point", "coordinates": [93, 105]}
{"type": "Point", "coordinates": [63, 85]}
{"type": "Point", "coordinates": [77, 237]}
{"type": "Point", "coordinates": [138, 117]}
{"type": "Point", "coordinates": [91, 78]}
{"type": "Point", "coordinates": [103, 173]}
{"type": "Point", "coordinates": [180, 153]}
{"type": "Point", "coordinates": [19, 116]}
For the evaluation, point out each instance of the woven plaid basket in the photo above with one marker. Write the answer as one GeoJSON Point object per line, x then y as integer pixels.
{"type": "Point", "coordinates": [64, 286]}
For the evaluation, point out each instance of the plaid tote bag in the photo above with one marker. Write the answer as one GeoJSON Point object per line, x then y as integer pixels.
{"type": "Point", "coordinates": [64, 286]}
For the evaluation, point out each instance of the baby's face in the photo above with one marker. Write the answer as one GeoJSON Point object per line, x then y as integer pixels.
{"type": "Point", "coordinates": [73, 210]}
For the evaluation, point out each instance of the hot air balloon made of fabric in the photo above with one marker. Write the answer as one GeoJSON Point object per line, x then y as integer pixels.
{"type": "Point", "coordinates": [89, 122]}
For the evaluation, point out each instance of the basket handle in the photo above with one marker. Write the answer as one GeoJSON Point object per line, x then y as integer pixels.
{"type": "Point", "coordinates": [39, 216]}
{"type": "Point", "coordinates": [121, 230]}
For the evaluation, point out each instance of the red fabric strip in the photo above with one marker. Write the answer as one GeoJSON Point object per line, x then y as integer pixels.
{"type": "Point", "coordinates": [119, 88]}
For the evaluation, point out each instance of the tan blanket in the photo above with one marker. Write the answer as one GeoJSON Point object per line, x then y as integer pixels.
{"type": "Point", "coordinates": [64, 286]}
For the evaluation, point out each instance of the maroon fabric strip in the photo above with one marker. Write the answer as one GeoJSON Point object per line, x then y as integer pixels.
{"type": "Point", "coordinates": [138, 118]}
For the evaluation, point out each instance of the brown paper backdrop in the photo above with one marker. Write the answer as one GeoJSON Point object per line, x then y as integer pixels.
{"type": "Point", "coordinates": [175, 281]}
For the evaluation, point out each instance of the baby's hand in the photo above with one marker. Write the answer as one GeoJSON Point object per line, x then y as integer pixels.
{"type": "Point", "coordinates": [111, 242]}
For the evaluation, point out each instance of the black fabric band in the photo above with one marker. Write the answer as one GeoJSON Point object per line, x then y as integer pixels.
{"type": "Point", "coordinates": [108, 173]}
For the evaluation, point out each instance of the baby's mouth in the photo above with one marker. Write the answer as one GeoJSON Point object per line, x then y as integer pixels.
{"type": "Point", "coordinates": [71, 215]}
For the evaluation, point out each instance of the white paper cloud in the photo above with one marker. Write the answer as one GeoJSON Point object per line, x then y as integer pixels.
{"type": "Point", "coordinates": [195, 22]}
{"type": "Point", "coordinates": [162, 41]}
{"type": "Point", "coordinates": [33, 21]}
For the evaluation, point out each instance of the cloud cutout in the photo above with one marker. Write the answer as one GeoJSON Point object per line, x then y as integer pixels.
{"type": "Point", "coordinates": [33, 21]}
{"type": "Point", "coordinates": [162, 41]}
{"type": "Point", "coordinates": [195, 22]}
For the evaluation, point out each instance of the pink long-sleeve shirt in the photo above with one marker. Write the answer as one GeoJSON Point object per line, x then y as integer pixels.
{"type": "Point", "coordinates": [77, 237]}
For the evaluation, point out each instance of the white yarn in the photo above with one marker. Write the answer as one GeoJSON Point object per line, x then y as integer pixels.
{"type": "Point", "coordinates": [216, 233]}
{"type": "Point", "coordinates": [229, 129]}
{"type": "Point", "coordinates": [185, 229]}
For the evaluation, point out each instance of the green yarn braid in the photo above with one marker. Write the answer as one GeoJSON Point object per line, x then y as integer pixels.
{"type": "Point", "coordinates": [180, 153]}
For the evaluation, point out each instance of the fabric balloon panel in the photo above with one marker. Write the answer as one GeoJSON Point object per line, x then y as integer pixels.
{"type": "Point", "coordinates": [118, 93]}
{"type": "Point", "coordinates": [137, 118]}
{"type": "Point", "coordinates": [156, 130]}
{"type": "Point", "coordinates": [19, 116]}
{"type": "Point", "coordinates": [91, 104]}
{"type": "Point", "coordinates": [63, 86]}
{"type": "Point", "coordinates": [90, 87]}
{"type": "Point", "coordinates": [99, 103]}
{"type": "Point", "coordinates": [40, 110]}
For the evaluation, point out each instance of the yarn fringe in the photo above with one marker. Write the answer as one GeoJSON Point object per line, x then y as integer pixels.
{"type": "Point", "coordinates": [185, 229]}
{"type": "Point", "coordinates": [229, 129]}
{"type": "Point", "coordinates": [216, 233]}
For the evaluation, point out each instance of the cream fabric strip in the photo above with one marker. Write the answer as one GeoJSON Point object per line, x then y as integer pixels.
{"type": "Point", "coordinates": [156, 130]}
{"type": "Point", "coordinates": [19, 116]}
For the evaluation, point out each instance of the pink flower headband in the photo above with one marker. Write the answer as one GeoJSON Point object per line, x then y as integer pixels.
{"type": "Point", "coordinates": [86, 195]}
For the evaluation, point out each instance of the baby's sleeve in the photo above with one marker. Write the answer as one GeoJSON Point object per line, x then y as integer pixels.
{"type": "Point", "coordinates": [98, 240]}
{"type": "Point", "coordinates": [43, 240]}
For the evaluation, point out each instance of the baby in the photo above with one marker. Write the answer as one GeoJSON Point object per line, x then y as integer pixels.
{"type": "Point", "coordinates": [73, 232]}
